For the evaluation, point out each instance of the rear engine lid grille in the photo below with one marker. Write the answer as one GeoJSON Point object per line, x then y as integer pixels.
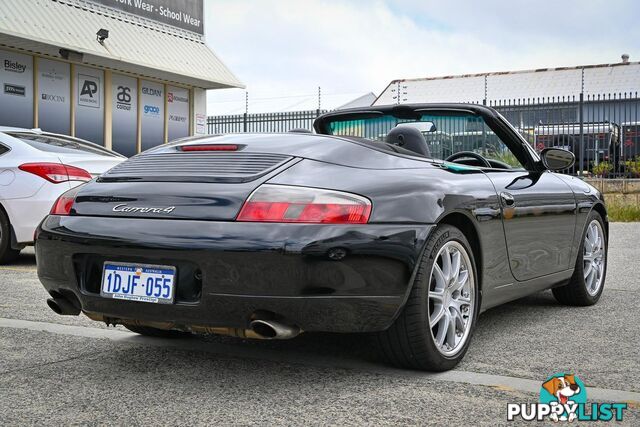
{"type": "Point", "coordinates": [196, 167]}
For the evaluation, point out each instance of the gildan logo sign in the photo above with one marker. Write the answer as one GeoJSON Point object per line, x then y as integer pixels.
{"type": "Point", "coordinates": [89, 96]}
{"type": "Point", "coordinates": [123, 98]}
{"type": "Point", "coordinates": [10, 89]}
{"type": "Point", "coordinates": [14, 66]}
{"type": "Point", "coordinates": [151, 91]}
{"type": "Point", "coordinates": [152, 110]}
{"type": "Point", "coordinates": [52, 97]}
{"type": "Point", "coordinates": [171, 97]}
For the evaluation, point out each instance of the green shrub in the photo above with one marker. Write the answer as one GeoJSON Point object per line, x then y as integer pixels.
{"type": "Point", "coordinates": [602, 168]}
{"type": "Point", "coordinates": [633, 166]}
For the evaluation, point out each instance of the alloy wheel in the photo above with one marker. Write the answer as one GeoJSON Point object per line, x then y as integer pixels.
{"type": "Point", "coordinates": [451, 298]}
{"type": "Point", "coordinates": [593, 257]}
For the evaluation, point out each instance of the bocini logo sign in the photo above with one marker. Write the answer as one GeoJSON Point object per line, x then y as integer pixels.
{"type": "Point", "coordinates": [52, 97]}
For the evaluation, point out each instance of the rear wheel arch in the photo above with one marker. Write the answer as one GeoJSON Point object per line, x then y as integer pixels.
{"type": "Point", "coordinates": [3, 212]}
{"type": "Point", "coordinates": [7, 250]}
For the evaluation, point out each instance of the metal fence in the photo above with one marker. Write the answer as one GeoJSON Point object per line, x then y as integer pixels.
{"type": "Point", "coordinates": [603, 131]}
{"type": "Point", "coordinates": [264, 122]}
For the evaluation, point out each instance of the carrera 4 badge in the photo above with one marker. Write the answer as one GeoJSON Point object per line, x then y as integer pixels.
{"type": "Point", "coordinates": [140, 209]}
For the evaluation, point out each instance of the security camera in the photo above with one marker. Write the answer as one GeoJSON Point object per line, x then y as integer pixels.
{"type": "Point", "coordinates": [102, 35]}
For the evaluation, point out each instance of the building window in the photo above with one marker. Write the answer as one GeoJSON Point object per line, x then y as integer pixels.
{"type": "Point", "coordinates": [16, 89]}
{"type": "Point", "coordinates": [54, 113]}
{"type": "Point", "coordinates": [89, 99]}
{"type": "Point", "coordinates": [124, 114]}
{"type": "Point", "coordinates": [177, 112]}
{"type": "Point", "coordinates": [152, 104]}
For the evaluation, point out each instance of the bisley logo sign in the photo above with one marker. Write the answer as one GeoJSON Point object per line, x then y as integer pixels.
{"type": "Point", "coordinates": [89, 96]}
{"type": "Point", "coordinates": [14, 66]}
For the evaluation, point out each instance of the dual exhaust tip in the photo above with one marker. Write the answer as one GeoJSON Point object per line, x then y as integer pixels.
{"type": "Point", "coordinates": [63, 306]}
{"type": "Point", "coordinates": [272, 330]}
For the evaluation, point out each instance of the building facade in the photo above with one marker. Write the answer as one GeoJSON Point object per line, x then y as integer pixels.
{"type": "Point", "coordinates": [128, 75]}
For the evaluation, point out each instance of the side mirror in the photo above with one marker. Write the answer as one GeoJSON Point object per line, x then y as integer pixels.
{"type": "Point", "coordinates": [557, 159]}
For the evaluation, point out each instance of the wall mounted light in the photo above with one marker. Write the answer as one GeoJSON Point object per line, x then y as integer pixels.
{"type": "Point", "coordinates": [102, 35]}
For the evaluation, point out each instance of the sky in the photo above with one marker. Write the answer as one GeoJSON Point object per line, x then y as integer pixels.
{"type": "Point", "coordinates": [283, 50]}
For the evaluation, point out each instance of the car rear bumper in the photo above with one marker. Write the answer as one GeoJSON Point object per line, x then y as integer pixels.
{"type": "Point", "coordinates": [26, 213]}
{"type": "Point", "coordinates": [339, 278]}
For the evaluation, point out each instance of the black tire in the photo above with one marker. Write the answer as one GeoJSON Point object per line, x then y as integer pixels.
{"type": "Point", "coordinates": [7, 254]}
{"type": "Point", "coordinates": [158, 333]}
{"type": "Point", "coordinates": [575, 293]}
{"type": "Point", "coordinates": [409, 342]}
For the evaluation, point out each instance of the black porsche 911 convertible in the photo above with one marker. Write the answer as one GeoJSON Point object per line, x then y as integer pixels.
{"type": "Point", "coordinates": [406, 221]}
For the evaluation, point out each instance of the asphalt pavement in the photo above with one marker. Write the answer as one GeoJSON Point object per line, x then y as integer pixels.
{"type": "Point", "coordinates": [70, 370]}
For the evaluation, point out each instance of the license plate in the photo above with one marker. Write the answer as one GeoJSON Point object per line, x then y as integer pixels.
{"type": "Point", "coordinates": [138, 282]}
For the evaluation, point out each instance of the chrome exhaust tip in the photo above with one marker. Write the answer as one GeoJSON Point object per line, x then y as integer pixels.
{"type": "Point", "coordinates": [272, 330]}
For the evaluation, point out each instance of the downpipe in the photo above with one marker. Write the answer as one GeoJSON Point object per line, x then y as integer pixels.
{"type": "Point", "coordinates": [63, 306]}
{"type": "Point", "coordinates": [272, 330]}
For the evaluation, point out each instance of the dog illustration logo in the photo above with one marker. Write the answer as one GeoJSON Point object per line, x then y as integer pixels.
{"type": "Point", "coordinates": [566, 391]}
{"type": "Point", "coordinates": [563, 397]}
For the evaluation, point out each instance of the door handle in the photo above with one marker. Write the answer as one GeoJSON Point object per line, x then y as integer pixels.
{"type": "Point", "coordinates": [507, 199]}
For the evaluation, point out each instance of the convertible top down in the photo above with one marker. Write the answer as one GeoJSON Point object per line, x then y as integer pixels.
{"type": "Point", "coordinates": [406, 221]}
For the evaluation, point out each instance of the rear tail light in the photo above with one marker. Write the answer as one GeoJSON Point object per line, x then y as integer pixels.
{"type": "Point", "coordinates": [56, 172]}
{"type": "Point", "coordinates": [280, 203]}
{"type": "Point", "coordinates": [64, 204]}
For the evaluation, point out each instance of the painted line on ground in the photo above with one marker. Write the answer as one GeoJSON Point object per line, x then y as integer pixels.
{"type": "Point", "coordinates": [292, 357]}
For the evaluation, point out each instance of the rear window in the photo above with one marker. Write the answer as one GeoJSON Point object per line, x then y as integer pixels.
{"type": "Point", "coordinates": [3, 149]}
{"type": "Point", "coordinates": [58, 144]}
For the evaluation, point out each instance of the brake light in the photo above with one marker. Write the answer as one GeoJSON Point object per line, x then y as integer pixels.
{"type": "Point", "coordinates": [210, 147]}
{"type": "Point", "coordinates": [64, 204]}
{"type": "Point", "coordinates": [280, 203]}
{"type": "Point", "coordinates": [56, 172]}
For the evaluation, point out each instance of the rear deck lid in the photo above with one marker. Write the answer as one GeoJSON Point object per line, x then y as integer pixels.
{"type": "Point", "coordinates": [176, 165]}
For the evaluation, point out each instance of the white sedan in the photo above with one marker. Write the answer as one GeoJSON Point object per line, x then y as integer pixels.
{"type": "Point", "coordinates": [35, 168]}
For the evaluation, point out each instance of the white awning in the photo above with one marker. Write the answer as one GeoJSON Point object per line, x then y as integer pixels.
{"type": "Point", "coordinates": [134, 45]}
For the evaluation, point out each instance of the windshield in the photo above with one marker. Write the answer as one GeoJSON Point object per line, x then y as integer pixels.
{"type": "Point", "coordinates": [445, 133]}
{"type": "Point", "coordinates": [61, 145]}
